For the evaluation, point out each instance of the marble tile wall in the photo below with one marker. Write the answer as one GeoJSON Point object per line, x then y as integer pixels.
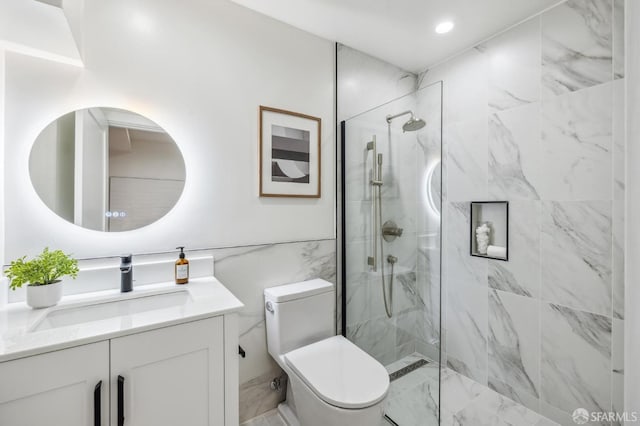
{"type": "Point", "coordinates": [534, 116]}
{"type": "Point", "coordinates": [246, 272]}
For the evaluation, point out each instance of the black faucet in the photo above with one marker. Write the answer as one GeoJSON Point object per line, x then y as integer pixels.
{"type": "Point", "coordinates": [126, 273]}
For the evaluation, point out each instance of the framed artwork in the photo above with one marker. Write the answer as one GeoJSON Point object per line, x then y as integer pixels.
{"type": "Point", "coordinates": [289, 154]}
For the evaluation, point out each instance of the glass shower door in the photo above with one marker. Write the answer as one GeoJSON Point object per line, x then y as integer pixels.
{"type": "Point", "coordinates": [391, 247]}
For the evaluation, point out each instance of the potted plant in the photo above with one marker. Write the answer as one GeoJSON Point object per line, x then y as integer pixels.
{"type": "Point", "coordinates": [42, 276]}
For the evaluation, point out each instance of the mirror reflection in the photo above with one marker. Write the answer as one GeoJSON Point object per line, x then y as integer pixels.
{"type": "Point", "coordinates": [107, 169]}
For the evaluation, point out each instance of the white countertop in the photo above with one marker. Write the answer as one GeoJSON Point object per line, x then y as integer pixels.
{"type": "Point", "coordinates": [207, 298]}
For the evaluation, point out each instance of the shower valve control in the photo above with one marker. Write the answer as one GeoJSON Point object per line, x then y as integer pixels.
{"type": "Point", "coordinates": [390, 231]}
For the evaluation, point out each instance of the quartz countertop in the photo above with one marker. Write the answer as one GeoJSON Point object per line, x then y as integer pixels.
{"type": "Point", "coordinates": [20, 336]}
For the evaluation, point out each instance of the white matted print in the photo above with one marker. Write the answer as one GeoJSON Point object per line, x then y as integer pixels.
{"type": "Point", "coordinates": [289, 154]}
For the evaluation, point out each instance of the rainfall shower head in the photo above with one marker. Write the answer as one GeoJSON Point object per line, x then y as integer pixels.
{"type": "Point", "coordinates": [411, 125]}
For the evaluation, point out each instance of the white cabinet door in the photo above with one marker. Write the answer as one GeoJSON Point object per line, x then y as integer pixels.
{"type": "Point", "coordinates": [56, 388]}
{"type": "Point", "coordinates": [172, 376]}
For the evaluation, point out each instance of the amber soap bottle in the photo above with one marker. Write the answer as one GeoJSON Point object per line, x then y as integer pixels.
{"type": "Point", "coordinates": [182, 268]}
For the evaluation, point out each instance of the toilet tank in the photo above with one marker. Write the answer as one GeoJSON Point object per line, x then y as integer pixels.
{"type": "Point", "coordinates": [299, 314]}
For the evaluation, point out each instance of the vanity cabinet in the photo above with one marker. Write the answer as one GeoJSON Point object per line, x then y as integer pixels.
{"type": "Point", "coordinates": [172, 376]}
{"type": "Point", "coordinates": [175, 375]}
{"type": "Point", "coordinates": [56, 388]}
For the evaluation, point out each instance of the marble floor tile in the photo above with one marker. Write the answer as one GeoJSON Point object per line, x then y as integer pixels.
{"type": "Point", "coordinates": [272, 418]}
{"type": "Point", "coordinates": [457, 391]}
{"type": "Point", "coordinates": [576, 46]}
{"type": "Point", "coordinates": [477, 415]}
{"type": "Point", "coordinates": [507, 409]}
{"type": "Point", "coordinates": [415, 406]}
{"type": "Point", "coordinates": [414, 400]}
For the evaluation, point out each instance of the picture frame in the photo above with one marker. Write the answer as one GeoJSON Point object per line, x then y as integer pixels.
{"type": "Point", "coordinates": [290, 154]}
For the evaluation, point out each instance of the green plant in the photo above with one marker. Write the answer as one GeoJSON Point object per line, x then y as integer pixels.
{"type": "Point", "coordinates": [44, 269]}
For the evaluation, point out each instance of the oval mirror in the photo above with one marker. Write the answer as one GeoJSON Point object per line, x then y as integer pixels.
{"type": "Point", "coordinates": [107, 169]}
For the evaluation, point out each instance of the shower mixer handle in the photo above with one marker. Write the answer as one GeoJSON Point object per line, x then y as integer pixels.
{"type": "Point", "coordinates": [391, 231]}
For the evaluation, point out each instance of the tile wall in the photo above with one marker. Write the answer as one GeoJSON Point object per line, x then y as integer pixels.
{"type": "Point", "coordinates": [535, 116]}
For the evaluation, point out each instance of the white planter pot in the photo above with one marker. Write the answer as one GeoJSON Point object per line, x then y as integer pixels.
{"type": "Point", "coordinates": [43, 296]}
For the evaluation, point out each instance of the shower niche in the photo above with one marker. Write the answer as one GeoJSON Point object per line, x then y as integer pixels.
{"type": "Point", "coordinates": [489, 230]}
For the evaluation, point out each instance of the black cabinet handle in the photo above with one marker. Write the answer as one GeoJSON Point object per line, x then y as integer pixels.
{"type": "Point", "coordinates": [120, 401]}
{"type": "Point", "coordinates": [97, 397]}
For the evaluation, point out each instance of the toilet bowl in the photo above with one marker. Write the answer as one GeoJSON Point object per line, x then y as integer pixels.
{"type": "Point", "coordinates": [331, 380]}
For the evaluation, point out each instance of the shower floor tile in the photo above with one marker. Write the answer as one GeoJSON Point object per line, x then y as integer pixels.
{"type": "Point", "coordinates": [413, 400]}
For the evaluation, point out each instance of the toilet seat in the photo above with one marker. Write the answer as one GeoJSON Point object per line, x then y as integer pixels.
{"type": "Point", "coordinates": [340, 373]}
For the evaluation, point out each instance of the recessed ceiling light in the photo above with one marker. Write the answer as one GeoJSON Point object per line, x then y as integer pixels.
{"type": "Point", "coordinates": [444, 27]}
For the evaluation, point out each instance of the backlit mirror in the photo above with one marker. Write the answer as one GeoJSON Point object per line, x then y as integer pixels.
{"type": "Point", "coordinates": [107, 169]}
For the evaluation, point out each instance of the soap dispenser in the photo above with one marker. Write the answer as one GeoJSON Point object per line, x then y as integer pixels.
{"type": "Point", "coordinates": [182, 268]}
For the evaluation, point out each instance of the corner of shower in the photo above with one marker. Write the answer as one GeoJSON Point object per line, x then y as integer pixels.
{"type": "Point", "coordinates": [390, 244]}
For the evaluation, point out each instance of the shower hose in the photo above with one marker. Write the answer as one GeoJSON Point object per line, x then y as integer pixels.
{"type": "Point", "coordinates": [388, 307]}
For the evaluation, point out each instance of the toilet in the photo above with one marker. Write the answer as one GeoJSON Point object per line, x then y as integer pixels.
{"type": "Point", "coordinates": [331, 380]}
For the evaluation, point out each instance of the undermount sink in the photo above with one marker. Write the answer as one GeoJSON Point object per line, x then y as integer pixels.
{"type": "Point", "coordinates": [97, 311]}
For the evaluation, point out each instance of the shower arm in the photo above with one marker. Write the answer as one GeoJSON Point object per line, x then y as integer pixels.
{"type": "Point", "coordinates": [393, 117]}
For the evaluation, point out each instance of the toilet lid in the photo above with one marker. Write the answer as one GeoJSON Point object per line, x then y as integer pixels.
{"type": "Point", "coordinates": [340, 373]}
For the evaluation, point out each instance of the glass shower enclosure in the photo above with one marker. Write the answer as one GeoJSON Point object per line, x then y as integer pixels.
{"type": "Point", "coordinates": [391, 247]}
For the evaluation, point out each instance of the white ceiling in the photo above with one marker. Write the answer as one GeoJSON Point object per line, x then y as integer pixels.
{"type": "Point", "coordinates": [401, 31]}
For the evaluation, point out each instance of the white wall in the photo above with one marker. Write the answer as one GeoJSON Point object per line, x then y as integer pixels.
{"type": "Point", "coordinates": [39, 29]}
{"type": "Point", "coordinates": [632, 290]}
{"type": "Point", "coordinates": [200, 73]}
{"type": "Point", "coordinates": [42, 174]}
{"type": "Point", "coordinates": [3, 292]}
